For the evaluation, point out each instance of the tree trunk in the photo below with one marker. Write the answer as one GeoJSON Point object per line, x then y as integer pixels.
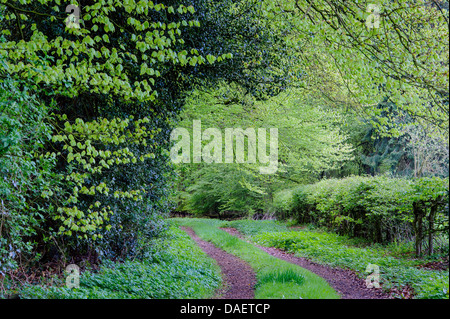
{"type": "Point", "coordinates": [430, 228]}
{"type": "Point", "coordinates": [418, 229]}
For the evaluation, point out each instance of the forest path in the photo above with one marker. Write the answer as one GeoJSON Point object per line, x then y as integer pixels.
{"type": "Point", "coordinates": [344, 281]}
{"type": "Point", "coordinates": [238, 276]}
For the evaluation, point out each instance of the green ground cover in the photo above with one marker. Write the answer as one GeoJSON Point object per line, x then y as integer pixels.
{"type": "Point", "coordinates": [181, 270]}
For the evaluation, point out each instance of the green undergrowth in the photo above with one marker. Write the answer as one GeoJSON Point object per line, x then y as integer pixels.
{"type": "Point", "coordinates": [397, 267]}
{"type": "Point", "coordinates": [253, 227]}
{"type": "Point", "coordinates": [181, 270]}
{"type": "Point", "coordinates": [275, 278]}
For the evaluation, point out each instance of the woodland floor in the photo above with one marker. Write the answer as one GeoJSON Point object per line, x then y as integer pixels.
{"type": "Point", "coordinates": [239, 277]}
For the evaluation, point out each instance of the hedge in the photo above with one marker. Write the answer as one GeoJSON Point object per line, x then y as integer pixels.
{"type": "Point", "coordinates": [380, 208]}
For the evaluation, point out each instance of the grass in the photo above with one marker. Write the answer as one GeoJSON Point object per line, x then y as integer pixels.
{"type": "Point", "coordinates": [275, 278]}
{"type": "Point", "coordinates": [170, 274]}
{"type": "Point", "coordinates": [283, 277]}
{"type": "Point", "coordinates": [252, 227]}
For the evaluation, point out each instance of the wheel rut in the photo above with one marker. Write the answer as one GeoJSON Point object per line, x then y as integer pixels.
{"type": "Point", "coordinates": [239, 278]}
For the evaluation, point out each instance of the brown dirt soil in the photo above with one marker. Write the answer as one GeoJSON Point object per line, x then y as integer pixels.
{"type": "Point", "coordinates": [239, 278]}
{"type": "Point", "coordinates": [436, 265]}
{"type": "Point", "coordinates": [344, 281]}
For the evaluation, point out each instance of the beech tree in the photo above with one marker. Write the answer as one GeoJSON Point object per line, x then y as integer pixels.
{"type": "Point", "coordinates": [116, 77]}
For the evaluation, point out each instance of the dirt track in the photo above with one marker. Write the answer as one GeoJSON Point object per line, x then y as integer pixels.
{"type": "Point", "coordinates": [344, 281]}
{"type": "Point", "coordinates": [239, 278]}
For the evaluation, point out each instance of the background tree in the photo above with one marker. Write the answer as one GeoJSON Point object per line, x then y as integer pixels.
{"type": "Point", "coordinates": [404, 58]}
{"type": "Point", "coordinates": [309, 141]}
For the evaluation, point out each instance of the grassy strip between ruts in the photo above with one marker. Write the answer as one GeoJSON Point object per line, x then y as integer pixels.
{"type": "Point", "coordinates": [177, 271]}
{"type": "Point", "coordinates": [396, 268]}
{"type": "Point", "coordinates": [275, 278]}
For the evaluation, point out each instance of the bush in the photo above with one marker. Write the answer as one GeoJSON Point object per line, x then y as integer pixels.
{"type": "Point", "coordinates": [283, 203]}
{"type": "Point", "coordinates": [23, 174]}
{"type": "Point", "coordinates": [378, 208]}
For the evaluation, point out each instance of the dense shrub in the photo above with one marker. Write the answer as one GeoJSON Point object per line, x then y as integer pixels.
{"type": "Point", "coordinates": [283, 203]}
{"type": "Point", "coordinates": [379, 208]}
{"type": "Point", "coordinates": [23, 174]}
